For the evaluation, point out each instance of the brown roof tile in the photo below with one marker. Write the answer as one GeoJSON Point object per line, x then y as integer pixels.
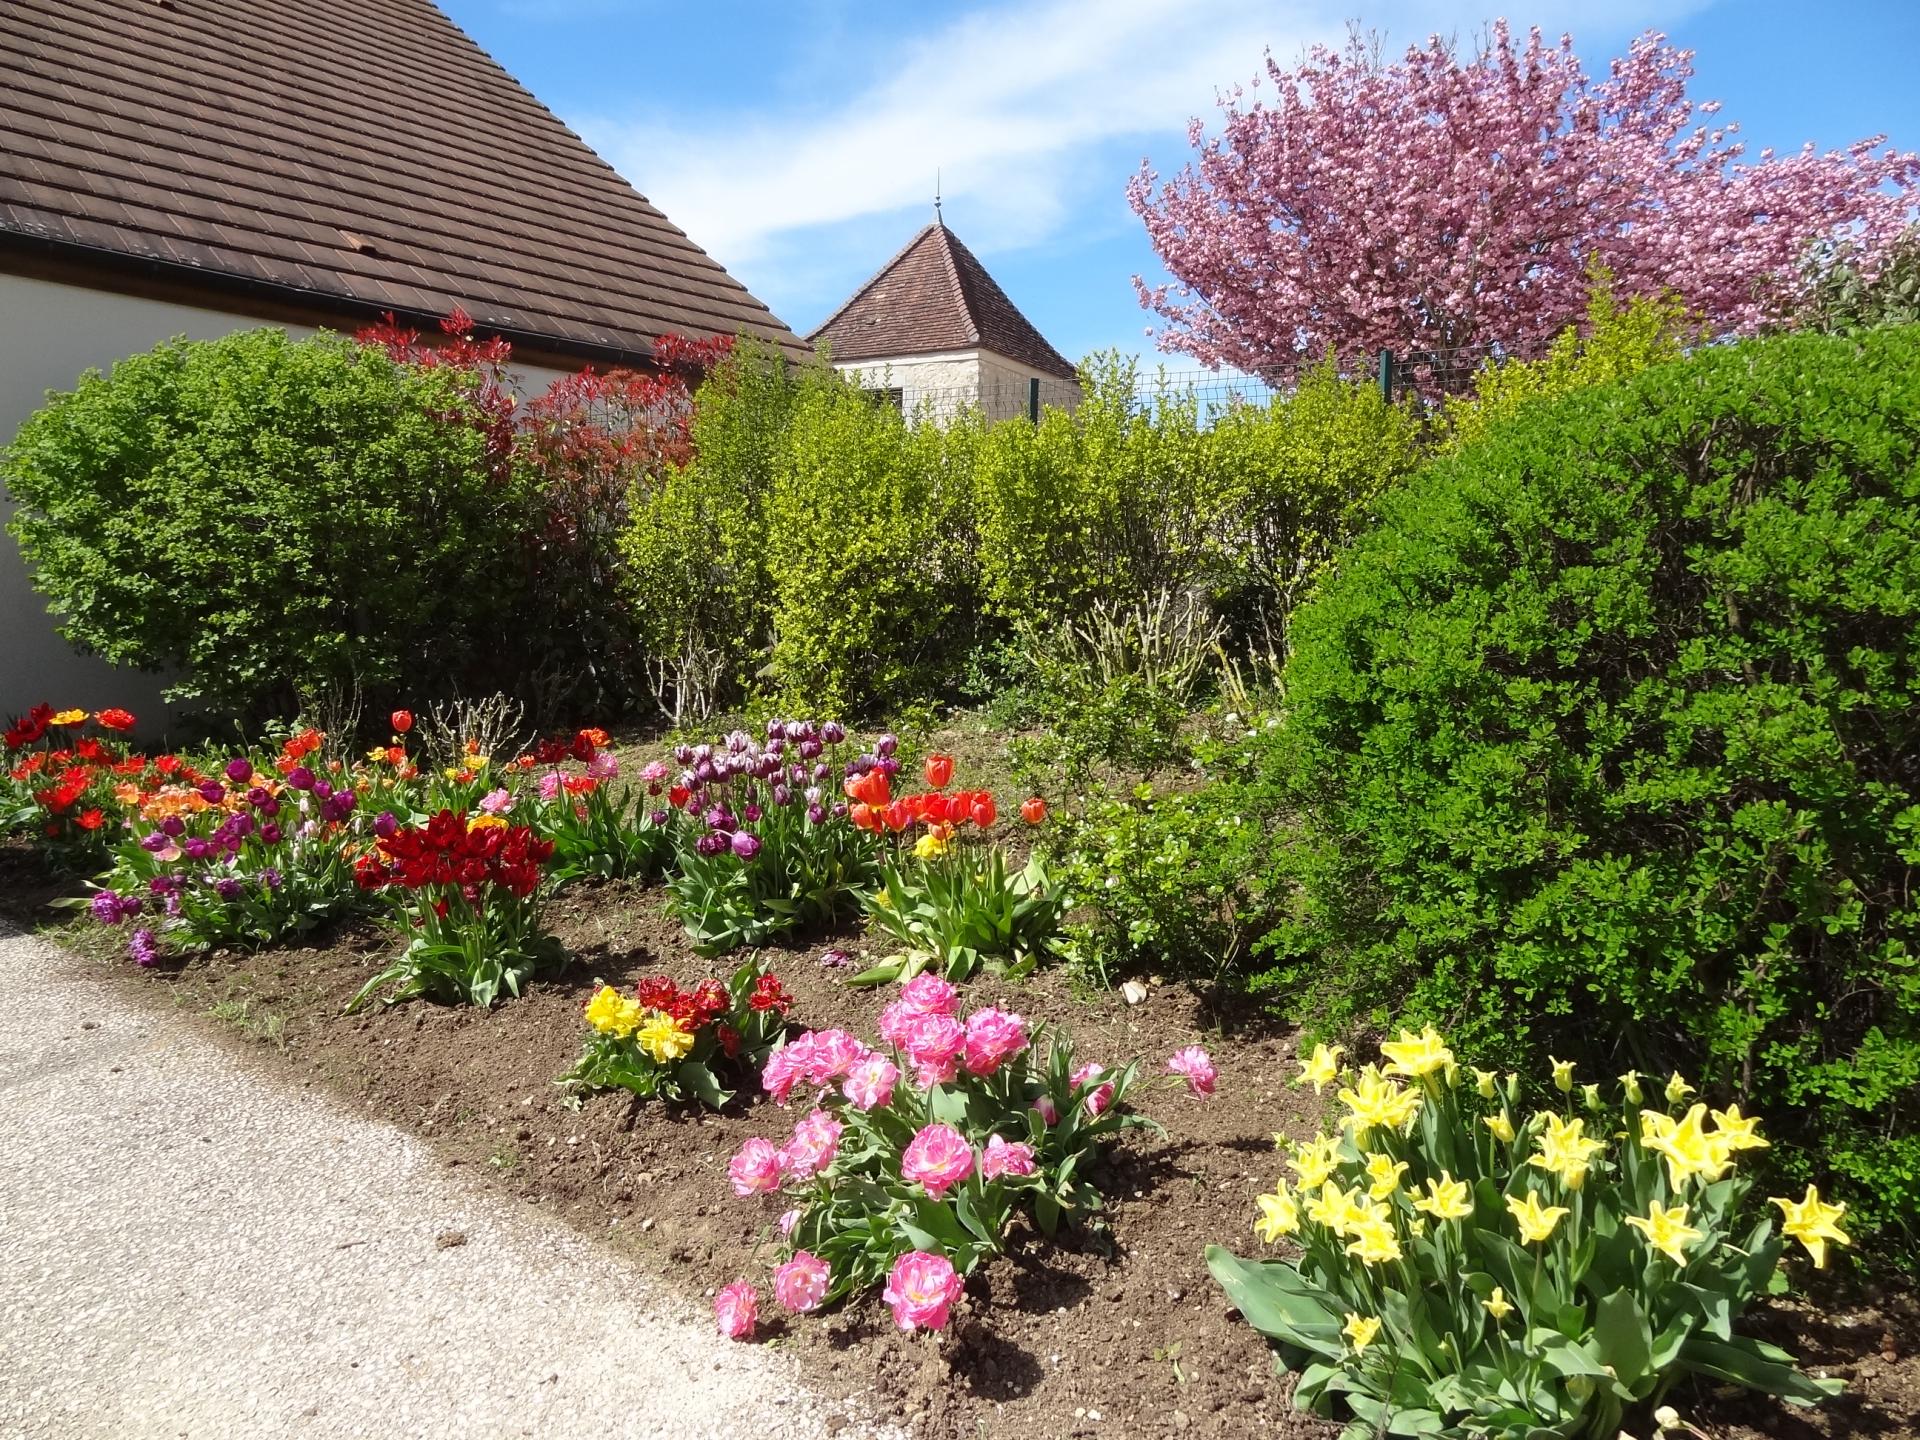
{"type": "Point", "coordinates": [933, 296]}
{"type": "Point", "coordinates": [248, 140]}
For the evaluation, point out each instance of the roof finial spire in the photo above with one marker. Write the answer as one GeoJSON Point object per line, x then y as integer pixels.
{"type": "Point", "coordinates": [936, 200]}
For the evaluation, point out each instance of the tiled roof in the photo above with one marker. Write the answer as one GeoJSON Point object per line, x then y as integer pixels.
{"type": "Point", "coordinates": [933, 296]}
{"type": "Point", "coordinates": [358, 155]}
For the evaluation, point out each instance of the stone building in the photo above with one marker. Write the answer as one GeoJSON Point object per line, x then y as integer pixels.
{"type": "Point", "coordinates": [933, 331]}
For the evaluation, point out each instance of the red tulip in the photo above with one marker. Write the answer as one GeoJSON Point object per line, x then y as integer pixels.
{"type": "Point", "coordinates": [1033, 810]}
{"type": "Point", "coordinates": [402, 721]}
{"type": "Point", "coordinates": [984, 812]}
{"type": "Point", "coordinates": [898, 816]}
{"type": "Point", "coordinates": [939, 770]}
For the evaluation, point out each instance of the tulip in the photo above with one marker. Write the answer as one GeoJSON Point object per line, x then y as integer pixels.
{"type": "Point", "coordinates": [239, 771]}
{"type": "Point", "coordinates": [746, 844]}
{"type": "Point", "coordinates": [984, 812]}
{"type": "Point", "coordinates": [938, 770]}
{"type": "Point", "coordinates": [402, 721]}
{"type": "Point", "coordinates": [887, 744]}
{"type": "Point", "coordinates": [1033, 810]}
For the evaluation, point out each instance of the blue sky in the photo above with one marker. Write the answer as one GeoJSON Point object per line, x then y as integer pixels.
{"type": "Point", "coordinates": [797, 143]}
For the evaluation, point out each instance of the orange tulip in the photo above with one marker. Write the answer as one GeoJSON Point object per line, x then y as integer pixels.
{"type": "Point", "coordinates": [1033, 810]}
{"type": "Point", "coordinates": [898, 815]}
{"type": "Point", "coordinates": [939, 770]}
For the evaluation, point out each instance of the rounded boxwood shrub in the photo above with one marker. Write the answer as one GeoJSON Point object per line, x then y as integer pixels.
{"type": "Point", "coordinates": [1607, 742]}
{"type": "Point", "coordinates": [265, 516]}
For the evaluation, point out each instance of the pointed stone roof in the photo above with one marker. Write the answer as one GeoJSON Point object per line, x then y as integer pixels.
{"type": "Point", "coordinates": [349, 158]}
{"type": "Point", "coordinates": [935, 296]}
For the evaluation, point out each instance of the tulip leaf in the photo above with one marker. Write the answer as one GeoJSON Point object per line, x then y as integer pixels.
{"type": "Point", "coordinates": [1762, 1367]}
{"type": "Point", "coordinates": [1625, 1338]}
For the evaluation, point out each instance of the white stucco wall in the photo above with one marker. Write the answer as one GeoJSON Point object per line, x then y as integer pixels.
{"type": "Point", "coordinates": [953, 380]}
{"type": "Point", "coordinates": [49, 335]}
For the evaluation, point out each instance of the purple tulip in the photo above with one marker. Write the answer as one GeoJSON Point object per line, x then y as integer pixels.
{"type": "Point", "coordinates": [228, 889]}
{"type": "Point", "coordinates": [776, 747]}
{"type": "Point", "coordinates": [154, 843]}
{"type": "Point", "coordinates": [751, 813]}
{"type": "Point", "coordinates": [746, 844]}
{"type": "Point", "coordinates": [321, 789]}
{"type": "Point", "coordinates": [887, 744]}
{"type": "Point", "coordinates": [258, 796]}
{"type": "Point", "coordinates": [822, 770]}
{"type": "Point", "coordinates": [143, 948]}
{"type": "Point", "coordinates": [300, 778]}
{"type": "Point", "coordinates": [840, 810]}
{"type": "Point", "coordinates": [809, 749]}
{"type": "Point", "coordinates": [110, 909]}
{"type": "Point", "coordinates": [781, 796]}
{"type": "Point", "coordinates": [212, 792]}
{"type": "Point", "coordinates": [270, 878]}
{"type": "Point", "coordinates": [659, 817]}
{"type": "Point", "coordinates": [174, 826]}
{"type": "Point", "coordinates": [270, 834]}
{"type": "Point", "coordinates": [240, 771]}
{"type": "Point", "coordinates": [816, 814]}
{"type": "Point", "coordinates": [710, 844]}
{"type": "Point", "coordinates": [775, 728]}
{"type": "Point", "coordinates": [384, 824]}
{"type": "Point", "coordinates": [272, 807]}
{"type": "Point", "coordinates": [172, 904]}
{"type": "Point", "coordinates": [683, 755]}
{"type": "Point", "coordinates": [833, 732]}
{"type": "Point", "coordinates": [796, 731]}
{"type": "Point", "coordinates": [196, 848]}
{"type": "Point", "coordinates": [702, 752]}
{"type": "Point", "coordinates": [887, 765]}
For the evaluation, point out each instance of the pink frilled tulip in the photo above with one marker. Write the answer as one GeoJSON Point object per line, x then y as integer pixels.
{"type": "Point", "coordinates": [921, 1289]}
{"type": "Point", "coordinates": [869, 1084]}
{"type": "Point", "coordinates": [755, 1170]}
{"type": "Point", "coordinates": [1097, 1100]}
{"type": "Point", "coordinates": [993, 1037]}
{"type": "Point", "coordinates": [815, 1143]}
{"type": "Point", "coordinates": [934, 1044]}
{"type": "Point", "coordinates": [735, 1310]}
{"type": "Point", "coordinates": [938, 1158]}
{"type": "Point", "coordinates": [1002, 1158]}
{"type": "Point", "coordinates": [801, 1283]}
{"type": "Point", "coordinates": [1197, 1067]}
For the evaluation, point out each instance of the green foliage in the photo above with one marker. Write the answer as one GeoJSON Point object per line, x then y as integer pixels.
{"type": "Point", "coordinates": [1606, 739]}
{"type": "Point", "coordinates": [1843, 298]}
{"type": "Point", "coordinates": [696, 550]}
{"type": "Point", "coordinates": [958, 909]}
{"type": "Point", "coordinates": [1460, 1276]}
{"type": "Point", "coordinates": [1298, 479]}
{"type": "Point", "coordinates": [265, 517]}
{"type": "Point", "coordinates": [869, 551]}
{"type": "Point", "coordinates": [1109, 502]}
{"type": "Point", "coordinates": [1617, 341]}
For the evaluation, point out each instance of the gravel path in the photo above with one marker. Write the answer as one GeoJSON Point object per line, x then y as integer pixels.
{"type": "Point", "coordinates": [188, 1249]}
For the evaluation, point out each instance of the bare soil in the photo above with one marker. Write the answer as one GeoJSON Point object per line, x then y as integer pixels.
{"type": "Point", "coordinates": [1116, 1332]}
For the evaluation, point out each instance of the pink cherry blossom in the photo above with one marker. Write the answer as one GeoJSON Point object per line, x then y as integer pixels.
{"type": "Point", "coordinates": [815, 1143]}
{"type": "Point", "coordinates": [870, 1083]}
{"type": "Point", "coordinates": [921, 1289]}
{"type": "Point", "coordinates": [755, 1169]}
{"type": "Point", "coordinates": [801, 1283]}
{"type": "Point", "coordinates": [937, 1159]}
{"type": "Point", "coordinates": [1002, 1158]}
{"type": "Point", "coordinates": [735, 1309]}
{"type": "Point", "coordinates": [1445, 201]}
{"type": "Point", "coordinates": [1197, 1067]}
{"type": "Point", "coordinates": [993, 1037]}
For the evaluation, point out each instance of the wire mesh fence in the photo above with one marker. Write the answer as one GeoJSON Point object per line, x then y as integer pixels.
{"type": "Point", "coordinates": [1422, 376]}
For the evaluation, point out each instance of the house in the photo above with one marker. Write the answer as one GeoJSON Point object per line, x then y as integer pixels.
{"type": "Point", "coordinates": [933, 329]}
{"type": "Point", "coordinates": [197, 167]}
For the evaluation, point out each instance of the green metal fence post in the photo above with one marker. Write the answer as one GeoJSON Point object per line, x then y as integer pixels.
{"type": "Point", "coordinates": [1386, 376]}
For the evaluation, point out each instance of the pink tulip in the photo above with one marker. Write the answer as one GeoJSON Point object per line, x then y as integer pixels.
{"type": "Point", "coordinates": [755, 1170]}
{"type": "Point", "coordinates": [801, 1283]}
{"type": "Point", "coordinates": [831, 1054]}
{"type": "Point", "coordinates": [938, 1158]}
{"type": "Point", "coordinates": [1048, 1112]}
{"type": "Point", "coordinates": [1098, 1100]}
{"type": "Point", "coordinates": [815, 1143]}
{"type": "Point", "coordinates": [735, 1309]}
{"type": "Point", "coordinates": [788, 1219]}
{"type": "Point", "coordinates": [1006, 1159]}
{"type": "Point", "coordinates": [921, 1289]}
{"type": "Point", "coordinates": [1197, 1066]}
{"type": "Point", "coordinates": [934, 1044]}
{"type": "Point", "coordinates": [930, 995]}
{"type": "Point", "coordinates": [993, 1038]}
{"type": "Point", "coordinates": [784, 1068]}
{"type": "Point", "coordinates": [870, 1083]}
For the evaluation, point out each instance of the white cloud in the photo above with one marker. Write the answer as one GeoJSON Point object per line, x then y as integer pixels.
{"type": "Point", "coordinates": [1011, 104]}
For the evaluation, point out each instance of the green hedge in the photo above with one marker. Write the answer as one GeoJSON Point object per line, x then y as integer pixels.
{"type": "Point", "coordinates": [266, 518]}
{"type": "Point", "coordinates": [1606, 742]}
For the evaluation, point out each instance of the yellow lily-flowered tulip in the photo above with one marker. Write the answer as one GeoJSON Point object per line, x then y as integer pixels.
{"type": "Point", "coordinates": [1384, 1174]}
{"type": "Point", "coordinates": [1590, 1096]}
{"type": "Point", "coordinates": [1279, 1214]}
{"type": "Point", "coordinates": [1313, 1162]}
{"type": "Point", "coordinates": [1537, 1222]}
{"type": "Point", "coordinates": [1334, 1208]}
{"type": "Point", "coordinates": [1497, 1305]}
{"type": "Point", "coordinates": [1416, 1055]}
{"type": "Point", "coordinates": [1739, 1131]}
{"type": "Point", "coordinates": [1565, 1152]}
{"type": "Point", "coordinates": [1677, 1089]}
{"type": "Point", "coordinates": [1630, 1085]}
{"type": "Point", "coordinates": [1374, 1241]}
{"type": "Point", "coordinates": [1322, 1068]}
{"type": "Point", "coordinates": [1685, 1144]}
{"type": "Point", "coordinates": [1501, 1126]}
{"type": "Point", "coordinates": [1483, 1082]}
{"type": "Point", "coordinates": [1666, 1229]}
{"type": "Point", "coordinates": [1360, 1329]}
{"type": "Point", "coordinates": [1376, 1100]}
{"type": "Point", "coordinates": [1445, 1199]}
{"type": "Point", "coordinates": [1562, 1075]}
{"type": "Point", "coordinates": [1813, 1222]}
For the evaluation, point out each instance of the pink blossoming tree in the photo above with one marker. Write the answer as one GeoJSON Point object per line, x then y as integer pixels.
{"type": "Point", "coordinates": [1443, 202]}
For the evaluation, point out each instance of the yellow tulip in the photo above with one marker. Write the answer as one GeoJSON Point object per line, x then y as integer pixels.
{"type": "Point", "coordinates": [1446, 1199]}
{"type": "Point", "coordinates": [1630, 1084]}
{"type": "Point", "coordinates": [1677, 1089]}
{"type": "Point", "coordinates": [1500, 1125]}
{"type": "Point", "coordinates": [1322, 1068]}
{"type": "Point", "coordinates": [1360, 1330]}
{"type": "Point", "coordinates": [1374, 1242]}
{"type": "Point", "coordinates": [1813, 1222]}
{"type": "Point", "coordinates": [1483, 1082]}
{"type": "Point", "coordinates": [1685, 1144]}
{"type": "Point", "coordinates": [1497, 1305]}
{"type": "Point", "coordinates": [1384, 1174]}
{"type": "Point", "coordinates": [1537, 1222]}
{"type": "Point", "coordinates": [1376, 1100]}
{"type": "Point", "coordinates": [1565, 1152]}
{"type": "Point", "coordinates": [1739, 1130]}
{"type": "Point", "coordinates": [1314, 1161]}
{"type": "Point", "coordinates": [1666, 1229]}
{"type": "Point", "coordinates": [1562, 1075]}
{"type": "Point", "coordinates": [1416, 1055]}
{"type": "Point", "coordinates": [1279, 1214]}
